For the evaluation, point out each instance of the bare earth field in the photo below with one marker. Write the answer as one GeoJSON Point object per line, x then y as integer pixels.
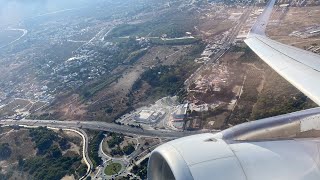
{"type": "Point", "coordinates": [263, 92]}
{"type": "Point", "coordinates": [296, 19]}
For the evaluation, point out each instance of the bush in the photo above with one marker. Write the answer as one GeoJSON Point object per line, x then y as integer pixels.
{"type": "Point", "coordinates": [49, 164]}
{"type": "Point", "coordinates": [94, 148]}
{"type": "Point", "coordinates": [5, 151]}
{"type": "Point", "coordinates": [115, 140]}
{"type": "Point", "coordinates": [43, 138]}
{"type": "Point", "coordinates": [54, 152]}
{"type": "Point", "coordinates": [117, 152]}
{"type": "Point", "coordinates": [141, 170]}
{"type": "Point", "coordinates": [50, 168]}
{"type": "Point", "coordinates": [128, 149]}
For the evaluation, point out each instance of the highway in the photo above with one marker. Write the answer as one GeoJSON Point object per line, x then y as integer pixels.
{"type": "Point", "coordinates": [102, 126]}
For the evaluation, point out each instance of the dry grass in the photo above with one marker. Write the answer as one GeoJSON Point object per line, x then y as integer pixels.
{"type": "Point", "coordinates": [10, 108]}
{"type": "Point", "coordinates": [295, 19]}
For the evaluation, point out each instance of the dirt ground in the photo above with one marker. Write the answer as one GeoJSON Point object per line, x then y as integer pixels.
{"type": "Point", "coordinates": [296, 19]}
{"type": "Point", "coordinates": [264, 93]}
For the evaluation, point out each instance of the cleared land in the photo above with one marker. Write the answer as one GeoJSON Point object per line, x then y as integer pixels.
{"type": "Point", "coordinates": [296, 19]}
{"type": "Point", "coordinates": [263, 93]}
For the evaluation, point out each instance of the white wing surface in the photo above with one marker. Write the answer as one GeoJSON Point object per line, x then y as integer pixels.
{"type": "Point", "coordinates": [301, 68]}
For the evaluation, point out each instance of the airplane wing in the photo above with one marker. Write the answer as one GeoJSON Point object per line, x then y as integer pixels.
{"type": "Point", "coordinates": [285, 147]}
{"type": "Point", "coordinates": [301, 68]}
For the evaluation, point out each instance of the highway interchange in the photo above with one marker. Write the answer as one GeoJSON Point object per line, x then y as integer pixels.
{"type": "Point", "coordinates": [78, 126]}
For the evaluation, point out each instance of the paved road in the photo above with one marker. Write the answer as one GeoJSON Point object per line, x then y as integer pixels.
{"type": "Point", "coordinates": [103, 126]}
{"type": "Point", "coordinates": [85, 152]}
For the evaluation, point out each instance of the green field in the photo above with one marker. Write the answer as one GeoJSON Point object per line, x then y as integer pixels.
{"type": "Point", "coordinates": [174, 41]}
{"type": "Point", "coordinates": [112, 169]}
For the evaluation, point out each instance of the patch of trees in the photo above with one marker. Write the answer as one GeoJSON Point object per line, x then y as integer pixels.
{"type": "Point", "coordinates": [114, 145]}
{"type": "Point", "coordinates": [82, 170]}
{"type": "Point", "coordinates": [44, 116]}
{"type": "Point", "coordinates": [54, 152]}
{"type": "Point", "coordinates": [141, 169]}
{"type": "Point", "coordinates": [64, 144]}
{"type": "Point", "coordinates": [109, 109]}
{"type": "Point", "coordinates": [50, 164]}
{"type": "Point", "coordinates": [136, 55]}
{"type": "Point", "coordinates": [5, 151]}
{"type": "Point", "coordinates": [172, 42]}
{"type": "Point", "coordinates": [273, 106]}
{"type": "Point", "coordinates": [124, 30]}
{"type": "Point", "coordinates": [115, 140]}
{"type": "Point", "coordinates": [128, 149]}
{"type": "Point", "coordinates": [43, 138]}
{"type": "Point", "coordinates": [172, 23]}
{"type": "Point", "coordinates": [94, 148]}
{"type": "Point", "coordinates": [50, 168]}
{"type": "Point", "coordinates": [126, 48]}
{"type": "Point", "coordinates": [169, 80]}
{"type": "Point", "coordinates": [116, 151]}
{"type": "Point", "coordinates": [6, 176]}
{"type": "Point", "coordinates": [135, 126]}
{"type": "Point", "coordinates": [163, 79]}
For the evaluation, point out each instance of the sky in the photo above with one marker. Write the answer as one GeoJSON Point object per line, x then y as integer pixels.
{"type": "Point", "coordinates": [13, 11]}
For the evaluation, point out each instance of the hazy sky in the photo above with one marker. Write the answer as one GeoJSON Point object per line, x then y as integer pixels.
{"type": "Point", "coordinates": [12, 11]}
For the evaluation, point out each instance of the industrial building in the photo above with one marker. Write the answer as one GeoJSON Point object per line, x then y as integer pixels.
{"type": "Point", "coordinates": [180, 113]}
{"type": "Point", "coordinates": [148, 116]}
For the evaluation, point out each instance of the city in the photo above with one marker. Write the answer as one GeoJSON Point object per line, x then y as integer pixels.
{"type": "Point", "coordinates": [113, 80]}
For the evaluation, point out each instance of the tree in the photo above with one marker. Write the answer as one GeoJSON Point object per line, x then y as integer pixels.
{"type": "Point", "coordinates": [43, 138]}
{"type": "Point", "coordinates": [5, 151]}
{"type": "Point", "coordinates": [55, 152]}
{"type": "Point", "coordinates": [128, 149]}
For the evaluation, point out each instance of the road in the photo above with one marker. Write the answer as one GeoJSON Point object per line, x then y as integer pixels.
{"type": "Point", "coordinates": [103, 126]}
{"type": "Point", "coordinates": [13, 29]}
{"type": "Point", "coordinates": [85, 151]}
